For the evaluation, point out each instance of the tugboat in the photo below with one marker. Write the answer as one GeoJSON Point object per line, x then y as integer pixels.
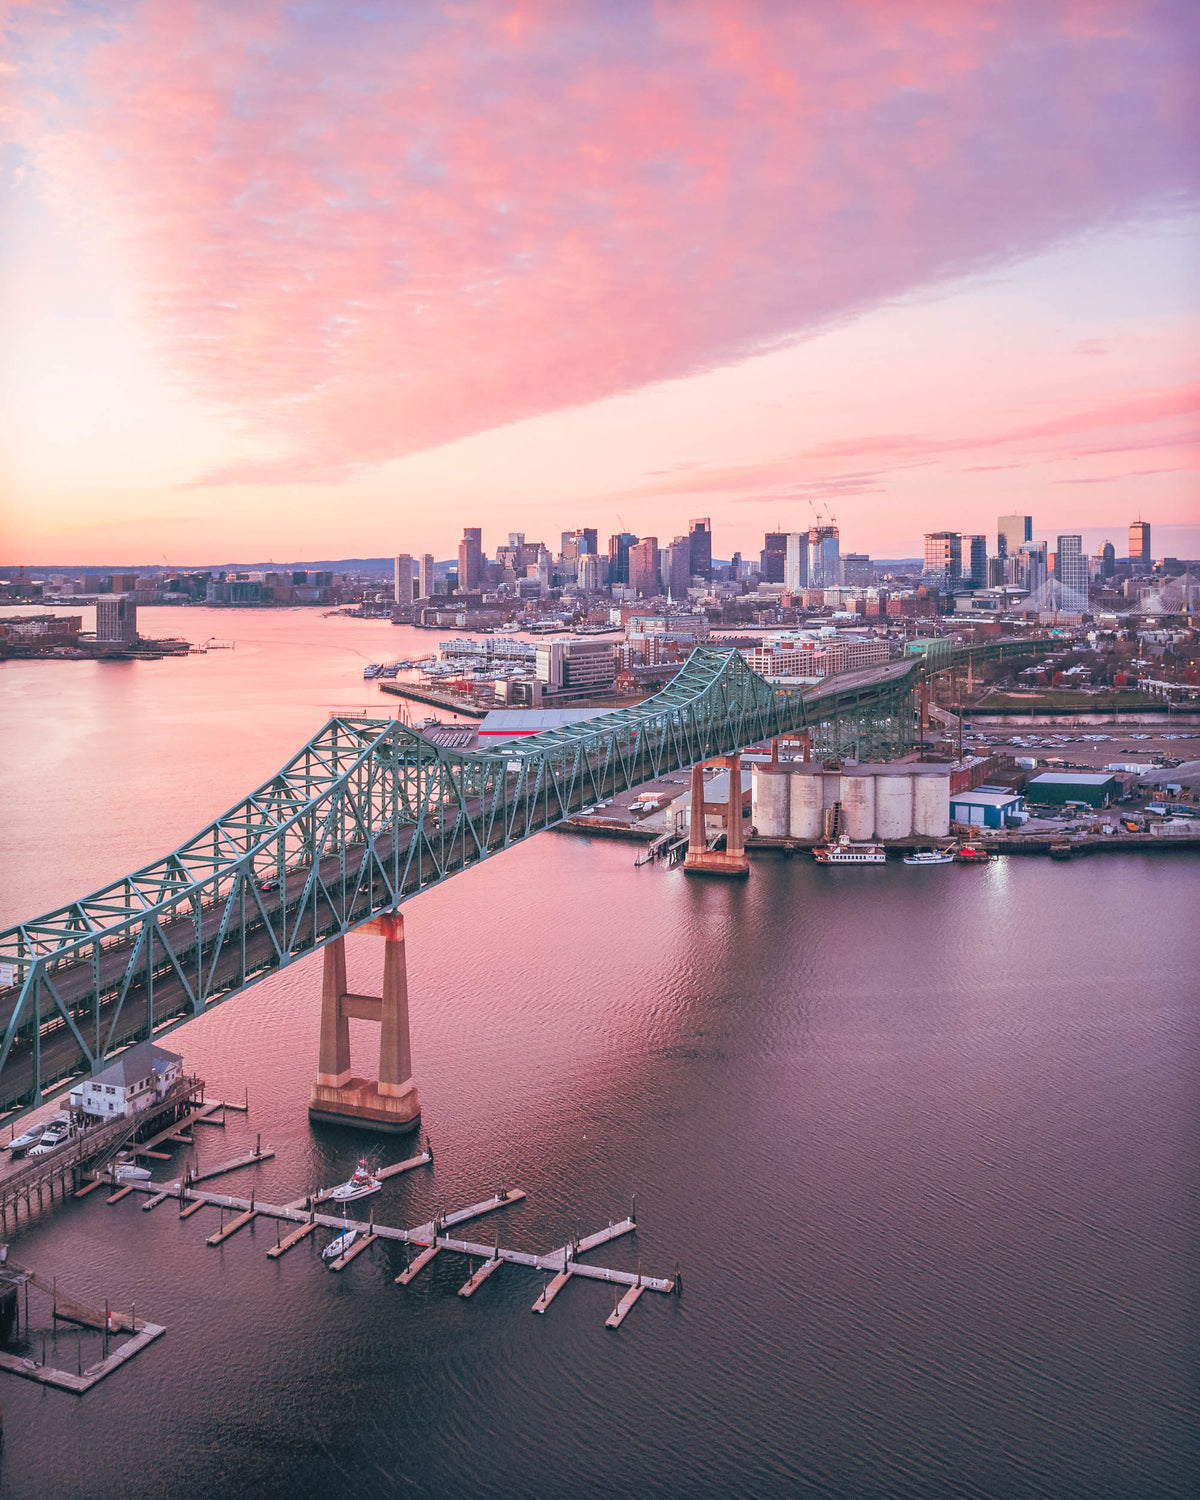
{"type": "Point", "coordinates": [361, 1185]}
{"type": "Point", "coordinates": [930, 857]}
{"type": "Point", "coordinates": [846, 852]}
{"type": "Point", "coordinates": [971, 854]}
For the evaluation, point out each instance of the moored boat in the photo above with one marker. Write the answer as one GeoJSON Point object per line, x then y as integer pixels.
{"type": "Point", "coordinates": [930, 857]}
{"type": "Point", "coordinates": [361, 1185]}
{"type": "Point", "coordinates": [846, 852]}
{"type": "Point", "coordinates": [971, 854]}
{"type": "Point", "coordinates": [338, 1247]}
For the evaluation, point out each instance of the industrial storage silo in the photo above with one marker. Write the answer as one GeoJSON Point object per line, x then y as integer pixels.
{"type": "Point", "coordinates": [769, 800]}
{"type": "Point", "coordinates": [858, 804]}
{"type": "Point", "coordinates": [931, 802]}
{"type": "Point", "coordinates": [804, 816]}
{"type": "Point", "coordinates": [893, 805]}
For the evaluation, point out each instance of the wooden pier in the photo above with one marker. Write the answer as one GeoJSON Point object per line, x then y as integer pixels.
{"type": "Point", "coordinates": [236, 1165]}
{"type": "Point", "coordinates": [622, 1309]}
{"type": "Point", "coordinates": [431, 1238]}
{"type": "Point", "coordinates": [281, 1247]}
{"type": "Point", "coordinates": [227, 1231]}
{"type": "Point", "coordinates": [353, 1253]}
{"type": "Point", "coordinates": [418, 1265]}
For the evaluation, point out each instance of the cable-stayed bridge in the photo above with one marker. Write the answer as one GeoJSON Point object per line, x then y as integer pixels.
{"type": "Point", "coordinates": [368, 814]}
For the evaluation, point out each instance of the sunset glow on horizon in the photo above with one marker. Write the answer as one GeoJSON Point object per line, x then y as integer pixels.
{"type": "Point", "coordinates": [328, 280]}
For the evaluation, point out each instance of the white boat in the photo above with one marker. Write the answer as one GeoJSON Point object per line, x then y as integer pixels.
{"type": "Point", "coordinates": [129, 1171]}
{"type": "Point", "coordinates": [847, 852]}
{"type": "Point", "coordinates": [26, 1139]}
{"type": "Point", "coordinates": [337, 1248]}
{"type": "Point", "coordinates": [361, 1185]}
{"type": "Point", "coordinates": [930, 857]}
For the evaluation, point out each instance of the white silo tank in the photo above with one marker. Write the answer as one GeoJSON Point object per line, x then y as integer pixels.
{"type": "Point", "coordinates": [931, 804]}
{"type": "Point", "coordinates": [893, 806]}
{"type": "Point", "coordinates": [804, 815]}
{"type": "Point", "coordinates": [858, 805]}
{"type": "Point", "coordinates": [769, 800]}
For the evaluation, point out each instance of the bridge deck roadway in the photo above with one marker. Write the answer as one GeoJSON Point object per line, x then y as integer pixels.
{"type": "Point", "coordinates": [236, 949]}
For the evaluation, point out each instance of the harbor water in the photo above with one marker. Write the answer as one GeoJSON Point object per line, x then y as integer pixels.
{"type": "Point", "coordinates": [922, 1142]}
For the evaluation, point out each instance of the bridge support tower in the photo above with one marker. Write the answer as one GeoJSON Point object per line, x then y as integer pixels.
{"type": "Point", "coordinates": [391, 1103]}
{"type": "Point", "coordinates": [700, 860]}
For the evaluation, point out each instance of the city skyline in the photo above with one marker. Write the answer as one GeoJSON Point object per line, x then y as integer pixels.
{"type": "Point", "coordinates": [916, 265]}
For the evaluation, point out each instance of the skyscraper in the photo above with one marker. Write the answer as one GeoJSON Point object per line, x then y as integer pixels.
{"type": "Point", "coordinates": [643, 567]}
{"type": "Point", "coordinates": [774, 557]}
{"type": "Point", "coordinates": [470, 556]}
{"type": "Point", "coordinates": [679, 567]}
{"type": "Point", "coordinates": [974, 553]}
{"type": "Point", "coordinates": [1012, 532]}
{"type": "Point", "coordinates": [1108, 560]}
{"type": "Point", "coordinates": [700, 539]}
{"type": "Point", "coordinates": [824, 562]}
{"type": "Point", "coordinates": [403, 578]}
{"type": "Point", "coordinates": [795, 567]}
{"type": "Point", "coordinates": [1071, 573]}
{"type": "Point", "coordinates": [618, 556]}
{"type": "Point", "coordinates": [1139, 544]}
{"type": "Point", "coordinates": [116, 619]}
{"type": "Point", "coordinates": [943, 558]}
{"type": "Point", "coordinates": [425, 582]}
{"type": "Point", "coordinates": [1033, 566]}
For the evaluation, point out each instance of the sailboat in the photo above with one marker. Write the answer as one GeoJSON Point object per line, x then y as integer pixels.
{"type": "Point", "coordinates": [338, 1247]}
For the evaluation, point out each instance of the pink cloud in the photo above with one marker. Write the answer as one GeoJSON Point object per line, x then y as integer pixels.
{"type": "Point", "coordinates": [367, 236]}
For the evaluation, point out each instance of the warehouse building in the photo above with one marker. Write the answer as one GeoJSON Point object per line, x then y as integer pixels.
{"type": "Point", "coordinates": [985, 806]}
{"type": "Point", "coordinates": [1056, 788]}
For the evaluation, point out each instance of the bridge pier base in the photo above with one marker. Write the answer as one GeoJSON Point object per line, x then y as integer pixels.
{"type": "Point", "coordinates": [730, 861]}
{"type": "Point", "coordinates": [389, 1104]}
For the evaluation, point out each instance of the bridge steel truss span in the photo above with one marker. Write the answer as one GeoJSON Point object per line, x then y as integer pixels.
{"type": "Point", "coordinates": [368, 814]}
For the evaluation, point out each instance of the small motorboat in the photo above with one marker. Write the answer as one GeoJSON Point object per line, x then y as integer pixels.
{"type": "Point", "coordinates": [129, 1171]}
{"type": "Point", "coordinates": [337, 1248]}
{"type": "Point", "coordinates": [26, 1139]}
{"type": "Point", "coordinates": [361, 1185]}
{"type": "Point", "coordinates": [930, 857]}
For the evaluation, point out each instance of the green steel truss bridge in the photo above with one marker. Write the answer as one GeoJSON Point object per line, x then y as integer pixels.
{"type": "Point", "coordinates": [367, 815]}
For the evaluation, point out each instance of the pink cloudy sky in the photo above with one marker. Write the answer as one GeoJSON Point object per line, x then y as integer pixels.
{"type": "Point", "coordinates": [334, 279]}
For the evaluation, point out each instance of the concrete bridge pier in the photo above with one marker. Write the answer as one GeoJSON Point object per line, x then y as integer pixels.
{"type": "Point", "coordinates": [390, 1103]}
{"type": "Point", "coordinates": [732, 859]}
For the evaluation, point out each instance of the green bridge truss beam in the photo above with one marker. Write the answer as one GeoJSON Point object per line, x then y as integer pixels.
{"type": "Point", "coordinates": [368, 814]}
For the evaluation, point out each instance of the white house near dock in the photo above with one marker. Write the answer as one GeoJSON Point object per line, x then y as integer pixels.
{"type": "Point", "coordinates": [134, 1082]}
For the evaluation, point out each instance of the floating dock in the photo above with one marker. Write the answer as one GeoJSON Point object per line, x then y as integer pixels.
{"type": "Point", "coordinates": [432, 1238]}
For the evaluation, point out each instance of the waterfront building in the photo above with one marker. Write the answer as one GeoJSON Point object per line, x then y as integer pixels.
{"type": "Point", "coordinates": [137, 1079]}
{"type": "Point", "coordinates": [425, 580]}
{"type": "Point", "coordinates": [985, 806]}
{"type": "Point", "coordinates": [403, 578]}
{"type": "Point", "coordinates": [116, 619]}
{"type": "Point", "coordinates": [576, 668]}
